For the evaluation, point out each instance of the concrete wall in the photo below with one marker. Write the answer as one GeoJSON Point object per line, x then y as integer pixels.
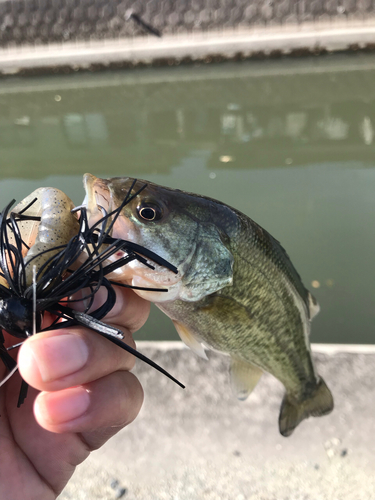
{"type": "Point", "coordinates": [46, 21]}
{"type": "Point", "coordinates": [78, 33]}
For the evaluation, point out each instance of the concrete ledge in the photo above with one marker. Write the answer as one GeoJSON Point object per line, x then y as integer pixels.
{"type": "Point", "coordinates": [335, 36]}
{"type": "Point", "coordinates": [201, 443]}
{"type": "Point", "coordinates": [322, 348]}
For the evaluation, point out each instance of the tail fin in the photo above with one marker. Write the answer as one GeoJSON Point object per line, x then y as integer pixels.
{"type": "Point", "coordinates": [319, 403]}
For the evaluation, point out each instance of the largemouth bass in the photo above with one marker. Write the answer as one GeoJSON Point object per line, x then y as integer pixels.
{"type": "Point", "coordinates": [236, 291]}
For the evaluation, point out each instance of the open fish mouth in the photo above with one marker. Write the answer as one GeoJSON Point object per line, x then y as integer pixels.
{"type": "Point", "coordinates": [99, 201]}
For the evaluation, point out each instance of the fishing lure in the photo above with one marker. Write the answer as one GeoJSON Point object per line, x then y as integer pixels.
{"type": "Point", "coordinates": [65, 256]}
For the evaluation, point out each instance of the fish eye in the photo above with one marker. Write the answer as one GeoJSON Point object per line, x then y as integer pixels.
{"type": "Point", "coordinates": [150, 212]}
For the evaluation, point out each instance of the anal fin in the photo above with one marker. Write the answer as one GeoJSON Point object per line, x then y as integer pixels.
{"type": "Point", "coordinates": [188, 338]}
{"type": "Point", "coordinates": [244, 376]}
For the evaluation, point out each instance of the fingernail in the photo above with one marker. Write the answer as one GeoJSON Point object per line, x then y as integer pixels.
{"type": "Point", "coordinates": [56, 357]}
{"type": "Point", "coordinates": [62, 406]}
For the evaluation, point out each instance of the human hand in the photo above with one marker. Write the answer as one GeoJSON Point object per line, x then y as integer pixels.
{"type": "Point", "coordinates": [81, 394]}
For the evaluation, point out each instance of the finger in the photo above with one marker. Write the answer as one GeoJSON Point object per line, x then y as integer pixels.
{"type": "Point", "coordinates": [98, 409]}
{"type": "Point", "coordinates": [56, 360]}
{"type": "Point", "coordinates": [129, 309]}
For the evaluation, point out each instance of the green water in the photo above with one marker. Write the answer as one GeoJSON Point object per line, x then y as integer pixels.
{"type": "Point", "coordinates": [290, 143]}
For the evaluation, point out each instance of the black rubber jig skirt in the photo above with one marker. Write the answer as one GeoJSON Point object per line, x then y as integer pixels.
{"type": "Point", "coordinates": [64, 273]}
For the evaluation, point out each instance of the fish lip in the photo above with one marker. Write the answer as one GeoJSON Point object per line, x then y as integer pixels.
{"type": "Point", "coordinates": [95, 188]}
{"type": "Point", "coordinates": [157, 277]}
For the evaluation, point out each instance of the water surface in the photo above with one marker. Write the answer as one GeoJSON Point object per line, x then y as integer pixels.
{"type": "Point", "coordinates": [289, 143]}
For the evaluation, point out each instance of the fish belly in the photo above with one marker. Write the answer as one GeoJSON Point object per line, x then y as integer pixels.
{"type": "Point", "coordinates": [263, 332]}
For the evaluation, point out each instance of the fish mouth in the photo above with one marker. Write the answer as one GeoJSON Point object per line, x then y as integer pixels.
{"type": "Point", "coordinates": [99, 202]}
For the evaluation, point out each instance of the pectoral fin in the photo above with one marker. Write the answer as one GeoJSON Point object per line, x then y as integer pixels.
{"type": "Point", "coordinates": [188, 338]}
{"type": "Point", "coordinates": [244, 377]}
{"type": "Point", "coordinates": [313, 306]}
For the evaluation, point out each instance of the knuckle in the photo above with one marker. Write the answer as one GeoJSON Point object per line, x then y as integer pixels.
{"type": "Point", "coordinates": [126, 398]}
{"type": "Point", "coordinates": [137, 321]}
{"type": "Point", "coordinates": [132, 400]}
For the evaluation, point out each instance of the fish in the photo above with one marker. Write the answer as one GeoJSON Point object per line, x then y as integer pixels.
{"type": "Point", "coordinates": [236, 290]}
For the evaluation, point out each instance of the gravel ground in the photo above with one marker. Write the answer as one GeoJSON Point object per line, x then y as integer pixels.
{"type": "Point", "coordinates": [201, 443]}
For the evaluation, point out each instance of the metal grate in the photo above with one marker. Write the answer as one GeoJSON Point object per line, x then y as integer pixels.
{"type": "Point", "coordinates": [46, 21]}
